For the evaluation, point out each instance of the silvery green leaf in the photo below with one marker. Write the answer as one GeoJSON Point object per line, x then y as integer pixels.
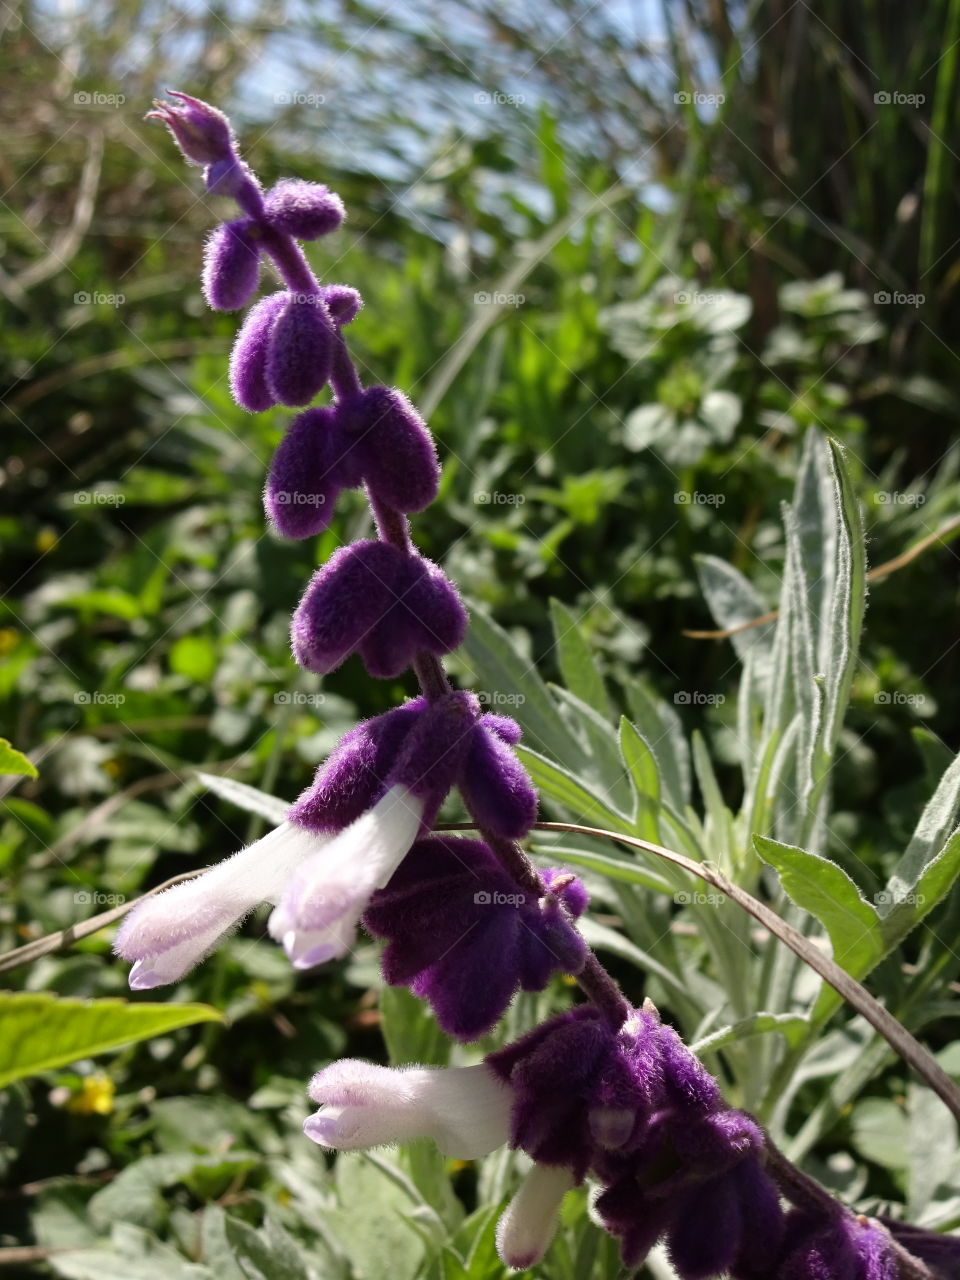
{"type": "Point", "coordinates": [936, 822]}
{"type": "Point", "coordinates": [733, 601]}
{"type": "Point", "coordinates": [500, 669]}
{"type": "Point", "coordinates": [601, 762]}
{"type": "Point", "coordinates": [246, 797]}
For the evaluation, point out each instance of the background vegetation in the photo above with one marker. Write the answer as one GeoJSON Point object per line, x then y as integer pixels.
{"type": "Point", "coordinates": [624, 257]}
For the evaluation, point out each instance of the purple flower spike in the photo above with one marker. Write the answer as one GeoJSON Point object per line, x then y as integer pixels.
{"type": "Point", "coordinates": [460, 932]}
{"type": "Point", "coordinates": [400, 462]}
{"type": "Point", "coordinates": [201, 132]}
{"type": "Point", "coordinates": [354, 777]}
{"type": "Point", "coordinates": [306, 210]}
{"type": "Point", "coordinates": [345, 603]}
{"type": "Point", "coordinates": [426, 614]}
{"type": "Point", "coordinates": [248, 360]}
{"type": "Point", "coordinates": [231, 266]}
{"type": "Point", "coordinates": [306, 475]}
{"type": "Point", "coordinates": [300, 350]}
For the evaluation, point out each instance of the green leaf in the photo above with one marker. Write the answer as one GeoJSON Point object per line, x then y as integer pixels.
{"type": "Point", "coordinates": [580, 673]}
{"type": "Point", "coordinates": [500, 669]}
{"type": "Point", "coordinates": [561, 786]}
{"type": "Point", "coordinates": [13, 761]}
{"type": "Point", "coordinates": [820, 887]}
{"type": "Point", "coordinates": [881, 1133]}
{"type": "Point", "coordinates": [268, 1254]}
{"type": "Point", "coordinates": [246, 797]}
{"type": "Point", "coordinates": [641, 763]}
{"type": "Point", "coordinates": [792, 1026]}
{"type": "Point", "coordinates": [938, 819]}
{"type": "Point", "coordinates": [660, 725]}
{"type": "Point", "coordinates": [194, 657]}
{"type": "Point", "coordinates": [38, 1032]}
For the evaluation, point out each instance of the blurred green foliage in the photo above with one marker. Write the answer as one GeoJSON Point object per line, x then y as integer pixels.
{"type": "Point", "coordinates": [623, 269]}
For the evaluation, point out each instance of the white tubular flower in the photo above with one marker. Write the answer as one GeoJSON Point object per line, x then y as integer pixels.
{"type": "Point", "coordinates": [529, 1222]}
{"type": "Point", "coordinates": [465, 1110]}
{"type": "Point", "coordinates": [321, 906]}
{"type": "Point", "coordinates": [169, 933]}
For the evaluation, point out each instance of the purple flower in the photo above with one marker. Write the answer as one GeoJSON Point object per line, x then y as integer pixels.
{"type": "Point", "coordinates": [305, 210]}
{"type": "Point", "coordinates": [300, 349]}
{"type": "Point", "coordinates": [465, 1110]}
{"type": "Point", "coordinates": [849, 1248]}
{"type": "Point", "coordinates": [354, 777]}
{"type": "Point", "coordinates": [307, 474]}
{"type": "Point", "coordinates": [398, 459]}
{"type": "Point", "coordinates": [201, 132]}
{"type": "Point", "coordinates": [380, 601]}
{"type": "Point", "coordinates": [429, 747]}
{"type": "Point", "coordinates": [248, 359]}
{"type": "Point", "coordinates": [231, 266]}
{"type": "Point", "coordinates": [464, 935]}
{"type": "Point", "coordinates": [376, 438]}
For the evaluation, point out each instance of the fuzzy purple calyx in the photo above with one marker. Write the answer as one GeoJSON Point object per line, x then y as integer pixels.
{"type": "Point", "coordinates": [305, 210]}
{"type": "Point", "coordinates": [380, 601]}
{"type": "Point", "coordinates": [231, 266]}
{"type": "Point", "coordinates": [374, 438]}
{"type": "Point", "coordinates": [428, 747]}
{"type": "Point", "coordinates": [462, 934]}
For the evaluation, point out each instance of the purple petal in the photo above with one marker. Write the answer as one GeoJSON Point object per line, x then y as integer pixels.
{"type": "Point", "coordinates": [496, 787]}
{"type": "Point", "coordinates": [345, 602]}
{"type": "Point", "coordinates": [248, 360]}
{"type": "Point", "coordinates": [231, 266]}
{"type": "Point", "coordinates": [301, 349]}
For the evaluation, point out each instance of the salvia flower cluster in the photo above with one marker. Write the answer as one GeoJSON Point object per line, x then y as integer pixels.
{"type": "Point", "coordinates": [604, 1092]}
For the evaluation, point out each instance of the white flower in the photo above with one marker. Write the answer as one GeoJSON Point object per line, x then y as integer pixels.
{"type": "Point", "coordinates": [170, 932]}
{"type": "Point", "coordinates": [465, 1110]}
{"type": "Point", "coordinates": [323, 901]}
{"type": "Point", "coordinates": [529, 1222]}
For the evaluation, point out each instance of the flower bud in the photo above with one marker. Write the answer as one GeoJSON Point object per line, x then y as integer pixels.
{"type": "Point", "coordinates": [306, 210]}
{"type": "Point", "coordinates": [231, 266]}
{"type": "Point", "coordinates": [301, 349]}
{"type": "Point", "coordinates": [248, 359]}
